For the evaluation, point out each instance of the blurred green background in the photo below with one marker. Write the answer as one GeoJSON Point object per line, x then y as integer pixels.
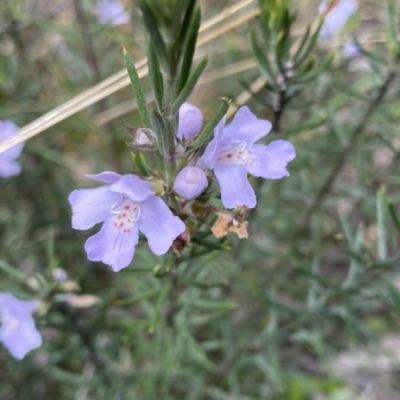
{"type": "Point", "coordinates": [306, 308]}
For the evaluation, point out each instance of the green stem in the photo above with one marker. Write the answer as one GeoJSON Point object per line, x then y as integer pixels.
{"type": "Point", "coordinates": [170, 130]}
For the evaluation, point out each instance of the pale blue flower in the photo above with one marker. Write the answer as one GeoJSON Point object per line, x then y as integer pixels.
{"type": "Point", "coordinates": [126, 205]}
{"type": "Point", "coordinates": [8, 166]}
{"type": "Point", "coordinates": [233, 153]}
{"type": "Point", "coordinates": [18, 332]}
{"type": "Point", "coordinates": [111, 12]}
{"type": "Point", "coordinates": [336, 16]}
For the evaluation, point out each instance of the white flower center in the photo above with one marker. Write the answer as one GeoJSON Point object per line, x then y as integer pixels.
{"type": "Point", "coordinates": [237, 154]}
{"type": "Point", "coordinates": [126, 213]}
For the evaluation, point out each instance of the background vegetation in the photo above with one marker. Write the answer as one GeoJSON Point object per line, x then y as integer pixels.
{"type": "Point", "coordinates": [306, 308]}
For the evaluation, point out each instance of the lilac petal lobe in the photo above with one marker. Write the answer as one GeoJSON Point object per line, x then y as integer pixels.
{"type": "Point", "coordinates": [9, 168]}
{"type": "Point", "coordinates": [246, 127]}
{"type": "Point", "coordinates": [22, 339]}
{"type": "Point", "coordinates": [113, 246]}
{"type": "Point", "coordinates": [270, 161]}
{"type": "Point", "coordinates": [7, 130]}
{"type": "Point", "coordinates": [336, 16]}
{"type": "Point", "coordinates": [235, 187]}
{"type": "Point", "coordinates": [18, 332]}
{"type": "Point", "coordinates": [211, 153]}
{"type": "Point", "coordinates": [111, 12]}
{"type": "Point", "coordinates": [91, 206]}
{"type": "Point", "coordinates": [159, 225]}
{"type": "Point", "coordinates": [106, 176]}
{"type": "Point", "coordinates": [14, 152]}
{"type": "Point", "coordinates": [133, 187]}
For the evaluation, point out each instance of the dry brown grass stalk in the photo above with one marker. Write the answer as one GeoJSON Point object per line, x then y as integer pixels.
{"type": "Point", "coordinates": [118, 81]}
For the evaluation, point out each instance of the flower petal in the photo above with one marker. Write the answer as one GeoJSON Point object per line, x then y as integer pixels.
{"type": "Point", "coordinates": [113, 246]}
{"type": "Point", "coordinates": [20, 336]}
{"type": "Point", "coordinates": [336, 16]}
{"type": "Point", "coordinates": [106, 176]}
{"type": "Point", "coordinates": [111, 12]}
{"type": "Point", "coordinates": [247, 127]}
{"type": "Point", "coordinates": [190, 182]}
{"type": "Point", "coordinates": [91, 206]}
{"type": "Point", "coordinates": [18, 332]}
{"type": "Point", "coordinates": [270, 161]}
{"type": "Point", "coordinates": [190, 121]}
{"type": "Point", "coordinates": [7, 130]}
{"type": "Point", "coordinates": [9, 168]}
{"type": "Point", "coordinates": [159, 225]}
{"type": "Point", "coordinates": [210, 155]}
{"type": "Point", "coordinates": [134, 187]}
{"type": "Point", "coordinates": [235, 187]}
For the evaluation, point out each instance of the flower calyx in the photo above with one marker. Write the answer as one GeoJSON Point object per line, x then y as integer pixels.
{"type": "Point", "coordinates": [143, 138]}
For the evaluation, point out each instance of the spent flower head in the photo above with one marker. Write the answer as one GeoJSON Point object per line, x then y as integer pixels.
{"type": "Point", "coordinates": [8, 166]}
{"type": "Point", "coordinates": [126, 205]}
{"type": "Point", "coordinates": [18, 332]}
{"type": "Point", "coordinates": [233, 153]}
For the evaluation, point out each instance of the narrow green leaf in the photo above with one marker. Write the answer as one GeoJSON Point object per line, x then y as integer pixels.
{"type": "Point", "coordinates": [189, 47]}
{"type": "Point", "coordinates": [158, 127]}
{"type": "Point", "coordinates": [141, 163]}
{"type": "Point", "coordinates": [155, 74]}
{"type": "Point", "coordinates": [165, 267]}
{"type": "Point", "coordinates": [260, 54]}
{"type": "Point", "coordinates": [210, 304]}
{"type": "Point", "coordinates": [312, 300]}
{"type": "Point", "coordinates": [12, 272]}
{"type": "Point", "coordinates": [303, 42]}
{"type": "Point", "coordinates": [136, 299]}
{"type": "Point", "coordinates": [393, 214]}
{"type": "Point", "coordinates": [346, 229]}
{"type": "Point", "coordinates": [312, 75]}
{"type": "Point", "coordinates": [394, 296]}
{"type": "Point", "coordinates": [216, 203]}
{"type": "Point", "coordinates": [350, 322]}
{"type": "Point", "coordinates": [137, 90]}
{"type": "Point", "coordinates": [356, 263]}
{"type": "Point", "coordinates": [210, 245]}
{"type": "Point", "coordinates": [156, 38]}
{"type": "Point", "coordinates": [186, 26]}
{"type": "Point", "coordinates": [190, 84]}
{"type": "Point", "coordinates": [159, 307]}
{"type": "Point", "coordinates": [381, 228]}
{"type": "Point", "coordinates": [392, 22]}
{"type": "Point", "coordinates": [206, 135]}
{"type": "Point", "coordinates": [160, 160]}
{"type": "Point", "coordinates": [283, 45]}
{"type": "Point", "coordinates": [309, 46]}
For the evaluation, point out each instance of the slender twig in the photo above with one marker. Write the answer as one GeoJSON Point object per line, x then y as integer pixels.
{"type": "Point", "coordinates": [358, 130]}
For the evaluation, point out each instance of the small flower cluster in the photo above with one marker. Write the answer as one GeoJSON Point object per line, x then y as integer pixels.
{"type": "Point", "coordinates": [128, 204]}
